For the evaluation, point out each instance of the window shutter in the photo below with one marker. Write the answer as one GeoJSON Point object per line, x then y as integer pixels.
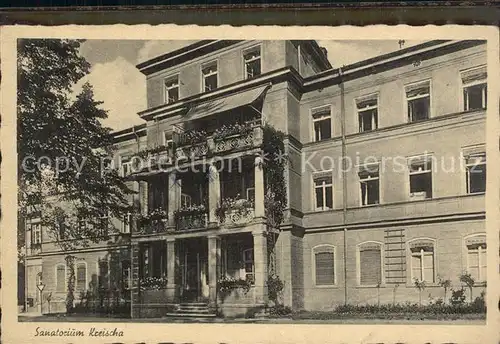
{"type": "Point", "coordinates": [325, 270]}
{"type": "Point", "coordinates": [370, 266]}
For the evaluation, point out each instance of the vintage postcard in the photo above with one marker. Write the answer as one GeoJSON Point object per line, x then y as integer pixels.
{"type": "Point", "coordinates": [221, 185]}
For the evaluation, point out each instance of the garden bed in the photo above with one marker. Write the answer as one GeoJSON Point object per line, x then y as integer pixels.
{"type": "Point", "coordinates": [396, 312]}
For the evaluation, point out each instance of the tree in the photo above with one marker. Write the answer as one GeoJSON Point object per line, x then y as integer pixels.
{"type": "Point", "coordinates": [62, 145]}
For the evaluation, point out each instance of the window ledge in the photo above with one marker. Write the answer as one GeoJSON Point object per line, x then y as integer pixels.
{"type": "Point", "coordinates": [331, 286]}
{"type": "Point", "coordinates": [371, 286]}
{"type": "Point", "coordinates": [370, 205]}
{"type": "Point", "coordinates": [476, 193]}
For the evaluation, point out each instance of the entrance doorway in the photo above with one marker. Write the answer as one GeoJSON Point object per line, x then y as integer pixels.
{"type": "Point", "coordinates": [194, 270]}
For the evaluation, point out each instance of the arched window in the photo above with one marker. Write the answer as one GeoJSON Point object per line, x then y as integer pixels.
{"type": "Point", "coordinates": [61, 278]}
{"type": "Point", "coordinates": [324, 265]}
{"type": "Point", "coordinates": [370, 263]}
{"type": "Point", "coordinates": [81, 276]}
{"type": "Point", "coordinates": [476, 256]}
{"type": "Point", "coordinates": [422, 261]}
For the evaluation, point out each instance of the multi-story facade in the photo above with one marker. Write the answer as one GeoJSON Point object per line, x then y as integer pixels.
{"type": "Point", "coordinates": [385, 178]}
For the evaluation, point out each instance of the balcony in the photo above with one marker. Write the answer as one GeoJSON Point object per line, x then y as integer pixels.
{"type": "Point", "coordinates": [195, 217]}
{"type": "Point", "coordinates": [225, 139]}
{"type": "Point", "coordinates": [155, 222]}
{"type": "Point", "coordinates": [236, 212]}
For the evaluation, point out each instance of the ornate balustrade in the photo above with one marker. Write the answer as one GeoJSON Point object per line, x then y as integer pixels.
{"type": "Point", "coordinates": [191, 220]}
{"type": "Point", "coordinates": [225, 139]}
{"type": "Point", "coordinates": [238, 216]}
{"type": "Point", "coordinates": [150, 226]}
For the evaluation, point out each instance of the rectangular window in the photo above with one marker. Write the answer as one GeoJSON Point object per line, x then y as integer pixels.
{"type": "Point", "coordinates": [252, 63]}
{"type": "Point", "coordinates": [419, 101]}
{"type": "Point", "coordinates": [81, 276]}
{"type": "Point", "coordinates": [370, 264]}
{"type": "Point", "coordinates": [209, 77]}
{"type": "Point", "coordinates": [367, 113]}
{"type": "Point", "coordinates": [157, 193]}
{"type": "Point", "coordinates": [369, 184]}
{"type": "Point", "coordinates": [103, 226]}
{"type": "Point", "coordinates": [126, 275]}
{"type": "Point", "coordinates": [476, 262]}
{"type": "Point", "coordinates": [248, 264]}
{"type": "Point", "coordinates": [420, 170]}
{"type": "Point", "coordinates": [476, 172]}
{"type": "Point", "coordinates": [127, 220]}
{"type": "Point", "coordinates": [323, 191]}
{"type": "Point", "coordinates": [322, 123]}
{"type": "Point", "coordinates": [474, 88]}
{"type": "Point", "coordinates": [36, 233]}
{"type": "Point", "coordinates": [422, 263]}
{"type": "Point", "coordinates": [61, 228]}
{"type": "Point", "coordinates": [171, 90]}
{"type": "Point", "coordinates": [324, 267]}
{"type": "Point", "coordinates": [61, 278]}
{"type": "Point", "coordinates": [103, 275]}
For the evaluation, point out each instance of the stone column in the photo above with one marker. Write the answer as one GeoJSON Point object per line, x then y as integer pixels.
{"type": "Point", "coordinates": [213, 193]}
{"type": "Point", "coordinates": [171, 273]}
{"type": "Point", "coordinates": [174, 197]}
{"type": "Point", "coordinates": [259, 187]}
{"type": "Point", "coordinates": [260, 266]}
{"type": "Point", "coordinates": [214, 261]}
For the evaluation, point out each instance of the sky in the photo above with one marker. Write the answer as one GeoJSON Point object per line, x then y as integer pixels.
{"type": "Point", "coordinates": [122, 88]}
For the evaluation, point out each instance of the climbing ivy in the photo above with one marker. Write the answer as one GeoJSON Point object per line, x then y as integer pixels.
{"type": "Point", "coordinates": [70, 297]}
{"type": "Point", "coordinates": [275, 200]}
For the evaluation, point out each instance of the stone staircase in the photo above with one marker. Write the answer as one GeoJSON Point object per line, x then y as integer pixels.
{"type": "Point", "coordinates": [192, 310]}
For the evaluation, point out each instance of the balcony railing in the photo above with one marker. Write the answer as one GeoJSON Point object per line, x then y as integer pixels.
{"type": "Point", "coordinates": [191, 219]}
{"type": "Point", "coordinates": [148, 225]}
{"type": "Point", "coordinates": [238, 216]}
{"type": "Point", "coordinates": [194, 144]}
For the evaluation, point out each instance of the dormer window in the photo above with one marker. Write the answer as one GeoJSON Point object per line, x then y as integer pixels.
{"type": "Point", "coordinates": [252, 63]}
{"type": "Point", "coordinates": [210, 77]}
{"type": "Point", "coordinates": [171, 90]}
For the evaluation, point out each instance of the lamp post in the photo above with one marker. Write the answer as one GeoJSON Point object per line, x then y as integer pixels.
{"type": "Point", "coordinates": [40, 287]}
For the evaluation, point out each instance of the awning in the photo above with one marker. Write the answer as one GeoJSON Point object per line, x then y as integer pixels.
{"type": "Point", "coordinates": [226, 103]}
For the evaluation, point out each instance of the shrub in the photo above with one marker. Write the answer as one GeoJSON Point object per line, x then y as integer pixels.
{"type": "Point", "coordinates": [279, 310]}
{"type": "Point", "coordinates": [457, 297]}
{"type": "Point", "coordinates": [274, 288]}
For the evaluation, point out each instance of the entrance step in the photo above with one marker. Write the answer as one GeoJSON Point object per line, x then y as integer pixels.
{"type": "Point", "coordinates": [192, 310]}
